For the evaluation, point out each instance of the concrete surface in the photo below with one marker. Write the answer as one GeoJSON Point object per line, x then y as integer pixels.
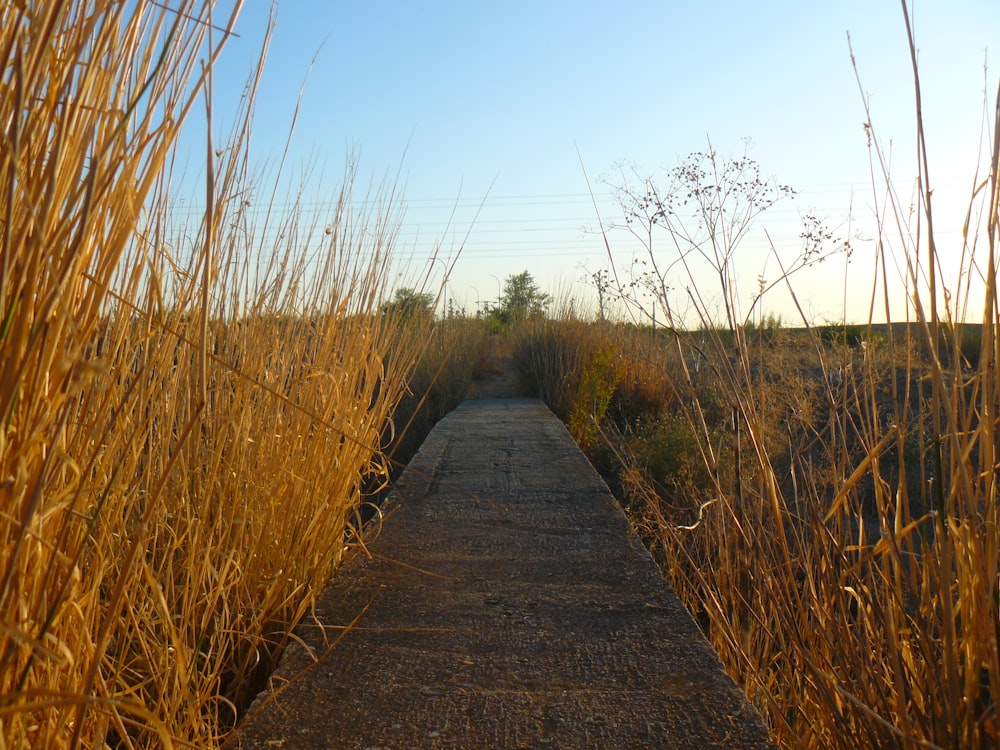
{"type": "Point", "coordinates": [507, 604]}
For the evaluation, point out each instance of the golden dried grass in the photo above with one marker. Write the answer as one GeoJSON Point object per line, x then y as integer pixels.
{"type": "Point", "coordinates": [188, 412]}
{"type": "Point", "coordinates": [839, 539]}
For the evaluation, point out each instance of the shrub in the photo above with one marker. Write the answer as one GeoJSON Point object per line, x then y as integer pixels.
{"type": "Point", "coordinates": [594, 393]}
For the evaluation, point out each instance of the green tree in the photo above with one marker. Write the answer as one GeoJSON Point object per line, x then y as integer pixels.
{"type": "Point", "coordinates": [522, 298]}
{"type": "Point", "coordinates": [408, 303]}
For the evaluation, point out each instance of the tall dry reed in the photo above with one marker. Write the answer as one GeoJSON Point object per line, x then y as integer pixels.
{"type": "Point", "coordinates": [189, 409]}
{"type": "Point", "coordinates": [852, 584]}
{"type": "Point", "coordinates": [832, 515]}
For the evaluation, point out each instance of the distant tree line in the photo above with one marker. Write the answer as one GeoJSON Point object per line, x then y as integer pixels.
{"type": "Point", "coordinates": [522, 300]}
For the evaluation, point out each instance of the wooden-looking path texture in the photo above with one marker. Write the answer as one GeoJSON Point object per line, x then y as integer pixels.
{"type": "Point", "coordinates": [505, 604]}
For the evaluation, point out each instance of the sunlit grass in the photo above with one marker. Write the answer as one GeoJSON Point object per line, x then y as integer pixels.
{"type": "Point", "coordinates": [190, 412]}
{"type": "Point", "coordinates": [826, 504]}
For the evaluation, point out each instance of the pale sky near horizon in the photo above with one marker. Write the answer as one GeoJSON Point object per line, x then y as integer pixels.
{"type": "Point", "coordinates": [478, 103]}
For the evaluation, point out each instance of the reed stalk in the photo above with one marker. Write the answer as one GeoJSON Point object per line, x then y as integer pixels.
{"type": "Point", "coordinates": [826, 504]}
{"type": "Point", "coordinates": [188, 410]}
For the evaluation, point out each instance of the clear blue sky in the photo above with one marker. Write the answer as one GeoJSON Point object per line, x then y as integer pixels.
{"type": "Point", "coordinates": [492, 100]}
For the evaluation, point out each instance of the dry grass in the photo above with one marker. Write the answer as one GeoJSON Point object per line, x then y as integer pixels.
{"type": "Point", "coordinates": [830, 512]}
{"type": "Point", "coordinates": [569, 363]}
{"type": "Point", "coordinates": [794, 505]}
{"type": "Point", "coordinates": [438, 382]}
{"type": "Point", "coordinates": [189, 412]}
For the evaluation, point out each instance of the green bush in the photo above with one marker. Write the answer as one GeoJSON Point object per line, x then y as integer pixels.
{"type": "Point", "coordinates": [594, 393]}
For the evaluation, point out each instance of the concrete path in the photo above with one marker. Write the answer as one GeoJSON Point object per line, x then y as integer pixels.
{"type": "Point", "coordinates": [507, 604]}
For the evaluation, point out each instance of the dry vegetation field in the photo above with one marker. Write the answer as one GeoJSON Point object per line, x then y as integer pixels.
{"type": "Point", "coordinates": [842, 561]}
{"type": "Point", "coordinates": [191, 414]}
{"type": "Point", "coordinates": [192, 417]}
{"type": "Point", "coordinates": [824, 500]}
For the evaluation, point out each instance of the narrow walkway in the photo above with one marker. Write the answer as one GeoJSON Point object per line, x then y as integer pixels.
{"type": "Point", "coordinates": [506, 605]}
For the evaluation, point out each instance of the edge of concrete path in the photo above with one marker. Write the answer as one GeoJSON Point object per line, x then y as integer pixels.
{"type": "Point", "coordinates": [415, 484]}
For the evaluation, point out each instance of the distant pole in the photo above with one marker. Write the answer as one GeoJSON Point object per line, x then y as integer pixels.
{"type": "Point", "coordinates": [477, 298]}
{"type": "Point", "coordinates": [499, 289]}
